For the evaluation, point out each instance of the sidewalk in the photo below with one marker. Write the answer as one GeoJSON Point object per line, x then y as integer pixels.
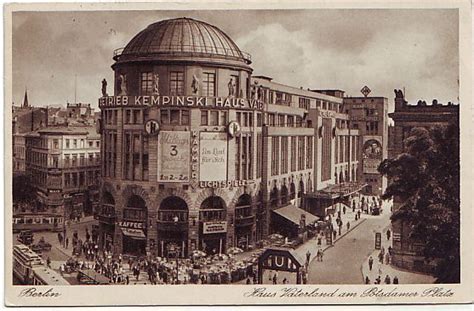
{"type": "Point", "coordinates": [311, 245]}
{"type": "Point", "coordinates": [384, 269]}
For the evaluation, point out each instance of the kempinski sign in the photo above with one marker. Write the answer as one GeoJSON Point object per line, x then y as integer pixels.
{"type": "Point", "coordinates": [180, 101]}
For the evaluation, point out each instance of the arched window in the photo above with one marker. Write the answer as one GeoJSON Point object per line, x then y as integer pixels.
{"type": "Point", "coordinates": [292, 190]}
{"type": "Point", "coordinates": [274, 197]}
{"type": "Point", "coordinates": [135, 209]}
{"type": "Point", "coordinates": [284, 195]}
{"type": "Point", "coordinates": [108, 205]}
{"type": "Point", "coordinates": [301, 190]}
{"type": "Point", "coordinates": [173, 209]}
{"type": "Point", "coordinates": [213, 208]}
{"type": "Point", "coordinates": [243, 206]}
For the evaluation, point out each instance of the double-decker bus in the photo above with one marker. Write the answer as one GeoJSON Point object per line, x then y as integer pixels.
{"type": "Point", "coordinates": [37, 222]}
{"type": "Point", "coordinates": [24, 261]}
{"type": "Point", "coordinates": [43, 275]}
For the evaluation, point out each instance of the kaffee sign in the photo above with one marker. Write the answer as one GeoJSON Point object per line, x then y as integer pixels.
{"type": "Point", "coordinates": [131, 224]}
{"type": "Point", "coordinates": [180, 101]}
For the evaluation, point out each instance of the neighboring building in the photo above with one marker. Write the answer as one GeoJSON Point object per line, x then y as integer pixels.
{"type": "Point", "coordinates": [19, 151]}
{"type": "Point", "coordinates": [197, 154]}
{"type": "Point", "coordinates": [64, 164]}
{"type": "Point", "coordinates": [369, 115]}
{"type": "Point", "coordinates": [408, 253]}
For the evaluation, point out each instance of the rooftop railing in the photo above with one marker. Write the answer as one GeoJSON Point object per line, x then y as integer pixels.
{"type": "Point", "coordinates": [193, 50]}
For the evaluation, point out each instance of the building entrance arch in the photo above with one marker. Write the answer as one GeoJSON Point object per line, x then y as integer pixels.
{"type": "Point", "coordinates": [134, 226]}
{"type": "Point", "coordinates": [244, 220]}
{"type": "Point", "coordinates": [172, 226]}
{"type": "Point", "coordinates": [213, 225]}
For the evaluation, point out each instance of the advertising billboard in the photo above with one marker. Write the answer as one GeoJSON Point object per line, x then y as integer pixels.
{"type": "Point", "coordinates": [174, 150]}
{"type": "Point", "coordinates": [213, 157]}
{"type": "Point", "coordinates": [372, 155]}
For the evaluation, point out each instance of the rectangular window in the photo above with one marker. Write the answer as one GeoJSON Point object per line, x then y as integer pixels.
{"type": "Point", "coordinates": [301, 148]}
{"type": "Point", "coordinates": [55, 144]}
{"type": "Point", "coordinates": [259, 119]}
{"type": "Point", "coordinates": [281, 120]}
{"type": "Point", "coordinates": [293, 154]}
{"type": "Point", "coordinates": [284, 155]}
{"type": "Point", "coordinates": [309, 152]}
{"type": "Point", "coordinates": [204, 117]}
{"type": "Point", "coordinates": [184, 117]}
{"type": "Point", "coordinates": [67, 144]}
{"type": "Point", "coordinates": [223, 120]}
{"type": "Point", "coordinates": [137, 116]}
{"type": "Point", "coordinates": [214, 118]}
{"type": "Point", "coordinates": [209, 84]}
{"type": "Point", "coordinates": [326, 150]}
{"type": "Point", "coordinates": [259, 155]}
{"type": "Point", "coordinates": [238, 157]}
{"type": "Point", "coordinates": [128, 116]}
{"type": "Point", "coordinates": [275, 155]}
{"type": "Point", "coordinates": [174, 116]}
{"type": "Point", "coordinates": [146, 83]}
{"type": "Point", "coordinates": [165, 116]}
{"type": "Point", "coordinates": [271, 119]}
{"type": "Point", "coordinates": [74, 143]}
{"type": "Point", "coordinates": [176, 83]}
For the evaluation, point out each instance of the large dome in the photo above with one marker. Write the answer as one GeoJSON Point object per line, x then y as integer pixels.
{"type": "Point", "coordinates": [181, 37]}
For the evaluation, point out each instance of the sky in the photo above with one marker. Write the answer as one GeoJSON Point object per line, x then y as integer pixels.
{"type": "Point", "coordinates": [318, 49]}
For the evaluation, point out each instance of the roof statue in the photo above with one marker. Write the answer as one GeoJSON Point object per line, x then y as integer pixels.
{"type": "Point", "coordinates": [104, 88]}
{"type": "Point", "coordinates": [195, 84]}
{"type": "Point", "coordinates": [123, 84]}
{"type": "Point", "coordinates": [156, 84]}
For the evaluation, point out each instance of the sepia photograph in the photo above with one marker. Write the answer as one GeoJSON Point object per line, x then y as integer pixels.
{"type": "Point", "coordinates": [246, 147]}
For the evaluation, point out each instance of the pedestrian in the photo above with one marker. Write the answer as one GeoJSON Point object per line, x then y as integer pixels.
{"type": "Point", "coordinates": [67, 242]}
{"type": "Point", "coordinates": [321, 254]}
{"type": "Point", "coordinates": [367, 280]}
{"type": "Point", "coordinates": [334, 233]}
{"type": "Point", "coordinates": [254, 278]}
{"type": "Point", "coordinates": [395, 280]}
{"type": "Point", "coordinates": [390, 250]}
{"type": "Point", "coordinates": [127, 279]}
{"type": "Point", "coordinates": [387, 258]}
{"type": "Point", "coordinates": [344, 209]}
{"type": "Point", "coordinates": [371, 263]}
{"type": "Point", "coordinates": [380, 257]}
{"type": "Point", "coordinates": [387, 279]}
{"type": "Point", "coordinates": [319, 239]}
{"type": "Point", "coordinates": [378, 280]}
{"type": "Point", "coordinates": [348, 225]}
{"type": "Point", "coordinates": [388, 234]}
{"type": "Point", "coordinates": [353, 206]}
{"type": "Point", "coordinates": [340, 230]}
{"type": "Point", "coordinates": [48, 262]}
{"type": "Point", "coordinates": [248, 280]}
{"type": "Point", "coordinates": [308, 257]}
{"type": "Point", "coordinates": [358, 214]}
{"type": "Point", "coordinates": [285, 281]}
{"type": "Point", "coordinates": [275, 278]}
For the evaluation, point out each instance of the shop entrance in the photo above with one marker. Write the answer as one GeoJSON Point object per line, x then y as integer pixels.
{"type": "Point", "coordinates": [213, 225]}
{"type": "Point", "coordinates": [133, 226]}
{"type": "Point", "coordinates": [172, 226]}
{"type": "Point", "coordinates": [244, 220]}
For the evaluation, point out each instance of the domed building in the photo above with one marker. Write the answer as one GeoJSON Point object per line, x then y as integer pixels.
{"type": "Point", "coordinates": [199, 155]}
{"type": "Point", "coordinates": [171, 179]}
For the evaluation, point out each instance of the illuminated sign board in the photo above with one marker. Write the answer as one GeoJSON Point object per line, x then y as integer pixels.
{"type": "Point", "coordinates": [372, 155]}
{"type": "Point", "coordinates": [174, 149]}
{"type": "Point", "coordinates": [180, 101]}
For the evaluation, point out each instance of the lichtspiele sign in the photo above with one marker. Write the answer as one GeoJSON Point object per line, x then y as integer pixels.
{"type": "Point", "coordinates": [213, 157]}
{"type": "Point", "coordinates": [214, 227]}
{"type": "Point", "coordinates": [174, 151]}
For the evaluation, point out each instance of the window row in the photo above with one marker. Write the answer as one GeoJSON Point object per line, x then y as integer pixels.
{"type": "Point", "coordinates": [81, 179]}
{"type": "Point", "coordinates": [177, 86]}
{"type": "Point", "coordinates": [77, 143]}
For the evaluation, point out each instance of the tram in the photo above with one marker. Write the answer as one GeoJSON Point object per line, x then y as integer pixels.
{"type": "Point", "coordinates": [37, 222]}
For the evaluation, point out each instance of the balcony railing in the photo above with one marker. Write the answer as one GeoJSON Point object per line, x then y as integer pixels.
{"type": "Point", "coordinates": [244, 220]}
{"type": "Point", "coordinates": [172, 216]}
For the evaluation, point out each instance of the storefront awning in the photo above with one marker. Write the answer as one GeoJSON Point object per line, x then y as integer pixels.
{"type": "Point", "coordinates": [134, 233]}
{"type": "Point", "coordinates": [293, 214]}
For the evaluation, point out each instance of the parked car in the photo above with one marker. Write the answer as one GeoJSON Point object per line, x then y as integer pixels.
{"type": "Point", "coordinates": [25, 237]}
{"type": "Point", "coordinates": [42, 245]}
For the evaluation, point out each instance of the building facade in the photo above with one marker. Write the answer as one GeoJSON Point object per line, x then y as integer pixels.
{"type": "Point", "coordinates": [64, 165]}
{"type": "Point", "coordinates": [408, 253]}
{"type": "Point", "coordinates": [199, 155]}
{"type": "Point", "coordinates": [369, 115]}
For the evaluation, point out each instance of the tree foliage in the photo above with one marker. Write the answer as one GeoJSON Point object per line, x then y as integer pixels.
{"type": "Point", "coordinates": [427, 180]}
{"type": "Point", "coordinates": [22, 189]}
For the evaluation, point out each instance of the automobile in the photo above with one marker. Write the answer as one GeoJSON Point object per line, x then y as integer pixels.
{"type": "Point", "coordinates": [25, 237]}
{"type": "Point", "coordinates": [376, 211]}
{"type": "Point", "coordinates": [41, 246]}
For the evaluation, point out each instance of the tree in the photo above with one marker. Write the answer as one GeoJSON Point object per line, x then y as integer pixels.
{"type": "Point", "coordinates": [22, 189]}
{"type": "Point", "coordinates": [427, 180]}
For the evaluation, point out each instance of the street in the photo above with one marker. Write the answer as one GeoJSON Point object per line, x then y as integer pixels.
{"type": "Point", "coordinates": [342, 262]}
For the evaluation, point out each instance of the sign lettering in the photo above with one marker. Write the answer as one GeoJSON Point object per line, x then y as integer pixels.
{"type": "Point", "coordinates": [214, 227]}
{"type": "Point", "coordinates": [180, 101]}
